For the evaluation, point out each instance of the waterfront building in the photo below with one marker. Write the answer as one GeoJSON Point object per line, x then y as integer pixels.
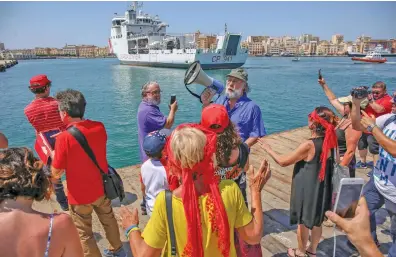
{"type": "Point", "coordinates": [256, 48]}
{"type": "Point", "coordinates": [313, 48]}
{"type": "Point", "coordinates": [69, 50]}
{"type": "Point", "coordinates": [337, 39]}
{"type": "Point", "coordinates": [87, 51]}
{"type": "Point", "coordinates": [42, 51]}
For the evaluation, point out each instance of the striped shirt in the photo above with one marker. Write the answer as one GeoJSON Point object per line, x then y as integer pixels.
{"type": "Point", "coordinates": [43, 114]}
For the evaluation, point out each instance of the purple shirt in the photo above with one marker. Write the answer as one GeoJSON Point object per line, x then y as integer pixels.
{"type": "Point", "coordinates": [150, 119]}
{"type": "Point", "coordinates": [246, 115]}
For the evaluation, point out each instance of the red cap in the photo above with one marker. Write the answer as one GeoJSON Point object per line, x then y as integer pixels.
{"type": "Point", "coordinates": [215, 114]}
{"type": "Point", "coordinates": [39, 81]}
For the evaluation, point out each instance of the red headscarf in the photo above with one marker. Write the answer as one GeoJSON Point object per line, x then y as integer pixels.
{"type": "Point", "coordinates": [329, 142]}
{"type": "Point", "coordinates": [214, 204]}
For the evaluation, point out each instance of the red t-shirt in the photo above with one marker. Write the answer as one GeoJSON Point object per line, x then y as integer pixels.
{"type": "Point", "coordinates": [84, 180]}
{"type": "Point", "coordinates": [43, 114]}
{"type": "Point", "coordinates": [385, 102]}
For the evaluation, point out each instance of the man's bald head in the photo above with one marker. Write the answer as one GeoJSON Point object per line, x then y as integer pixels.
{"type": "Point", "coordinates": [3, 141]}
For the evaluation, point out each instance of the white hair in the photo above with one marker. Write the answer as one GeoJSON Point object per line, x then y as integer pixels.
{"type": "Point", "coordinates": [144, 88]}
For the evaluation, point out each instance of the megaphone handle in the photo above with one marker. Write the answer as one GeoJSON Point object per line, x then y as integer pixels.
{"type": "Point", "coordinates": [194, 94]}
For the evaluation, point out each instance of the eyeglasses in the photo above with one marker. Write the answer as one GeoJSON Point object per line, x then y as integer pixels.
{"type": "Point", "coordinates": [376, 92]}
{"type": "Point", "coordinates": [156, 92]}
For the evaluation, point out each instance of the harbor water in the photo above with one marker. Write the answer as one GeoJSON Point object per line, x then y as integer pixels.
{"type": "Point", "coordinates": [286, 91]}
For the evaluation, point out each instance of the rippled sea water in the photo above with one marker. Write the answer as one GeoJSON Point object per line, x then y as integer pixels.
{"type": "Point", "coordinates": [286, 91]}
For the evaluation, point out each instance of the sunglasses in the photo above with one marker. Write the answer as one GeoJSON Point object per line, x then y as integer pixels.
{"type": "Point", "coordinates": [376, 92]}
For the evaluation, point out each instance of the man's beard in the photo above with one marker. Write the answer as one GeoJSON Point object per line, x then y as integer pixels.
{"type": "Point", "coordinates": [153, 101]}
{"type": "Point", "coordinates": [234, 94]}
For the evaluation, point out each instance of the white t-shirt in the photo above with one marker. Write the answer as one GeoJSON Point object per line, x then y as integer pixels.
{"type": "Point", "coordinates": [385, 168]}
{"type": "Point", "coordinates": [155, 180]}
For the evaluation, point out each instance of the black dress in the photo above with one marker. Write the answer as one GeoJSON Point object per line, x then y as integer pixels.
{"type": "Point", "coordinates": [310, 198]}
{"type": "Point", "coordinates": [342, 147]}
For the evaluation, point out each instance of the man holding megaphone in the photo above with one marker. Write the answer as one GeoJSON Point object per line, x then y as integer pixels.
{"type": "Point", "coordinates": [243, 112]}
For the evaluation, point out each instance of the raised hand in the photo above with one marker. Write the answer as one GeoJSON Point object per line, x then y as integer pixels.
{"type": "Point", "coordinates": [321, 82]}
{"type": "Point", "coordinates": [128, 218]}
{"type": "Point", "coordinates": [258, 180]}
{"type": "Point", "coordinates": [367, 120]}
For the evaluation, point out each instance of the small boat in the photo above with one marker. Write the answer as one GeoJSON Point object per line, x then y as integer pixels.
{"type": "Point", "coordinates": [371, 57]}
{"type": "Point", "coordinates": [295, 59]}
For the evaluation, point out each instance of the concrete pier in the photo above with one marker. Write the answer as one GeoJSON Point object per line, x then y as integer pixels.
{"type": "Point", "coordinates": [5, 64]}
{"type": "Point", "coordinates": [278, 234]}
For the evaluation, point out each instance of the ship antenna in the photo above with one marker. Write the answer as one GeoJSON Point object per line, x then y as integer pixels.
{"type": "Point", "coordinates": [225, 28]}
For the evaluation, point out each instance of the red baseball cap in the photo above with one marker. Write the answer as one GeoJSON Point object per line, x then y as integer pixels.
{"type": "Point", "coordinates": [215, 114]}
{"type": "Point", "coordinates": [39, 81]}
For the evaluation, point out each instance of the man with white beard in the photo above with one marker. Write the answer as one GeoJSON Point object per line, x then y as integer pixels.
{"type": "Point", "coordinates": [246, 115]}
{"type": "Point", "coordinates": [149, 116]}
{"type": "Point", "coordinates": [243, 112]}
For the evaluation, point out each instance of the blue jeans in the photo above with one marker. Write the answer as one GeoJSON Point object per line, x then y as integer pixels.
{"type": "Point", "coordinates": [59, 191]}
{"type": "Point", "coordinates": [375, 200]}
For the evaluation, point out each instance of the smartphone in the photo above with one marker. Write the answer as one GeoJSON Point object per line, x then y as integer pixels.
{"type": "Point", "coordinates": [173, 99]}
{"type": "Point", "coordinates": [320, 74]}
{"type": "Point", "coordinates": [348, 197]}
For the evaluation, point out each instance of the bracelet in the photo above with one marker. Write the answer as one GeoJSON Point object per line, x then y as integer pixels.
{"type": "Point", "coordinates": [130, 229]}
{"type": "Point", "coordinates": [133, 229]}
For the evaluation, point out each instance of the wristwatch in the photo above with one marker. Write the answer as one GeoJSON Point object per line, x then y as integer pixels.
{"type": "Point", "coordinates": [371, 127]}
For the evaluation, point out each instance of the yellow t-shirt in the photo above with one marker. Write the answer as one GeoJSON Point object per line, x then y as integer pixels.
{"type": "Point", "coordinates": [156, 232]}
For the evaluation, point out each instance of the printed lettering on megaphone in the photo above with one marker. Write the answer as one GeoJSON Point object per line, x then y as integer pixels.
{"type": "Point", "coordinates": [196, 75]}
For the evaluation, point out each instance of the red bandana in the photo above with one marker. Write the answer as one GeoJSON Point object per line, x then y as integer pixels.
{"type": "Point", "coordinates": [214, 204]}
{"type": "Point", "coordinates": [329, 142]}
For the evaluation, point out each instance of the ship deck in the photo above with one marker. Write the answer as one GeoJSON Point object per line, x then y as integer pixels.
{"type": "Point", "coordinates": [278, 234]}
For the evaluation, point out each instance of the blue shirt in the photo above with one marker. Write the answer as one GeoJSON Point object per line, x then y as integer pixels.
{"type": "Point", "coordinates": [149, 118]}
{"type": "Point", "coordinates": [246, 115]}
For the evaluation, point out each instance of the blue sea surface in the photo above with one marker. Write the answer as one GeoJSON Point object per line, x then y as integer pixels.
{"type": "Point", "coordinates": [286, 91]}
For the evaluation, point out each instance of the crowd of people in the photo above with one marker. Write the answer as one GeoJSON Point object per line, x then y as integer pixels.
{"type": "Point", "coordinates": [194, 178]}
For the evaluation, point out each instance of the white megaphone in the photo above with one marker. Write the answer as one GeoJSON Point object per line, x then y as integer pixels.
{"type": "Point", "coordinates": [196, 75]}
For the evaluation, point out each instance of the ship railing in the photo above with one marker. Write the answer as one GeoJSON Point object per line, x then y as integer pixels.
{"type": "Point", "coordinates": [133, 36]}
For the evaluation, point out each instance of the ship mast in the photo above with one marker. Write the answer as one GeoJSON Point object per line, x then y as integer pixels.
{"type": "Point", "coordinates": [225, 28]}
{"type": "Point", "coordinates": [136, 5]}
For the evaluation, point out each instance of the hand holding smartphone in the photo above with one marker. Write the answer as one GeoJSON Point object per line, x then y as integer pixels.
{"type": "Point", "coordinates": [173, 99]}
{"type": "Point", "coordinates": [320, 74]}
{"type": "Point", "coordinates": [348, 197]}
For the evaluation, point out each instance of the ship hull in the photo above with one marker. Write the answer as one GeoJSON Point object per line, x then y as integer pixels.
{"type": "Point", "coordinates": [208, 61]}
{"type": "Point", "coordinates": [183, 65]}
{"type": "Point", "coordinates": [369, 60]}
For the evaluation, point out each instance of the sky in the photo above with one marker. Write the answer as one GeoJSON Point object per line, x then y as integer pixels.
{"type": "Point", "coordinates": [53, 24]}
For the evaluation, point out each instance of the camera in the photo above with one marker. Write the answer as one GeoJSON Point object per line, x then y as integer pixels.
{"type": "Point", "coordinates": [360, 92]}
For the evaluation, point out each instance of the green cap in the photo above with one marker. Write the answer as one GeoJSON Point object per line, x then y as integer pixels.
{"type": "Point", "coordinates": [239, 73]}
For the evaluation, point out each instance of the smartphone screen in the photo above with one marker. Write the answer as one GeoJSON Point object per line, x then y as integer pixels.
{"type": "Point", "coordinates": [173, 99]}
{"type": "Point", "coordinates": [348, 199]}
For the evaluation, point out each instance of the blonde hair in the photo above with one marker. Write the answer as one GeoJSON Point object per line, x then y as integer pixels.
{"type": "Point", "coordinates": [187, 145]}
